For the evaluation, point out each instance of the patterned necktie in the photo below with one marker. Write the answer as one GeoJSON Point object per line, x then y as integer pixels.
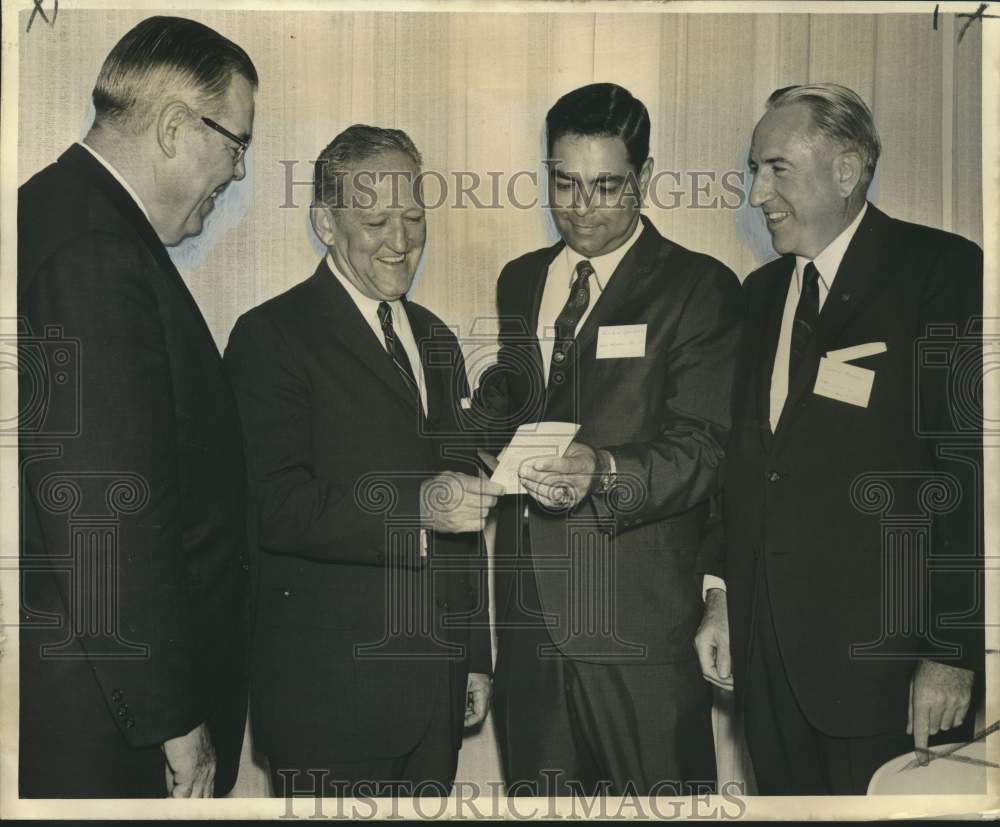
{"type": "Point", "coordinates": [397, 351]}
{"type": "Point", "coordinates": [806, 314]}
{"type": "Point", "coordinates": [569, 317]}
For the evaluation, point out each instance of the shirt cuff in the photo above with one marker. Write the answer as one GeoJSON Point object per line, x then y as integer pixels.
{"type": "Point", "coordinates": [423, 543]}
{"type": "Point", "coordinates": [710, 581]}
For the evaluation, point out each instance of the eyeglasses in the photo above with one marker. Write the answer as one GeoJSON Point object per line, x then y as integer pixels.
{"type": "Point", "coordinates": [242, 145]}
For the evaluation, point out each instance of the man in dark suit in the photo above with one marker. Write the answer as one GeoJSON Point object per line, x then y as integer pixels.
{"type": "Point", "coordinates": [372, 632]}
{"type": "Point", "coordinates": [852, 518]}
{"type": "Point", "coordinates": [599, 573]}
{"type": "Point", "coordinates": [133, 506]}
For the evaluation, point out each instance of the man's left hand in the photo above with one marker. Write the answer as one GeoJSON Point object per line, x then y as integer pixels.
{"type": "Point", "coordinates": [939, 699]}
{"type": "Point", "coordinates": [561, 482]}
{"type": "Point", "coordinates": [478, 692]}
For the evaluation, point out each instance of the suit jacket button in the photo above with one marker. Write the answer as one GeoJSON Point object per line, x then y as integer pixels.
{"type": "Point", "coordinates": [129, 723]}
{"type": "Point", "coordinates": [122, 710]}
{"type": "Point", "coordinates": [246, 566]}
{"type": "Point", "coordinates": [773, 476]}
{"type": "Point", "coordinates": [116, 695]}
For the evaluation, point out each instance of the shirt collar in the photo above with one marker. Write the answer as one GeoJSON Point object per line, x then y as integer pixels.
{"type": "Point", "coordinates": [604, 266]}
{"type": "Point", "coordinates": [828, 261]}
{"type": "Point", "coordinates": [366, 304]}
{"type": "Point", "coordinates": [117, 176]}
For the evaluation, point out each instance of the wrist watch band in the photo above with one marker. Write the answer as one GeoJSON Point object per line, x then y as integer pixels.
{"type": "Point", "coordinates": [605, 468]}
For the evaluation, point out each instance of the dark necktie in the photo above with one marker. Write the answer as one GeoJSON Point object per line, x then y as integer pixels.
{"type": "Point", "coordinates": [569, 317]}
{"type": "Point", "coordinates": [806, 315]}
{"type": "Point", "coordinates": [397, 352]}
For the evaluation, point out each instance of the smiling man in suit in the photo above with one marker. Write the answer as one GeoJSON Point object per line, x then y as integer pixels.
{"type": "Point", "coordinates": [849, 648]}
{"type": "Point", "coordinates": [372, 640]}
{"type": "Point", "coordinates": [133, 487]}
{"type": "Point", "coordinates": [599, 567]}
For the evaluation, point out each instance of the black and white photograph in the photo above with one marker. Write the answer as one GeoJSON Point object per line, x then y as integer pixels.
{"type": "Point", "coordinates": [504, 410]}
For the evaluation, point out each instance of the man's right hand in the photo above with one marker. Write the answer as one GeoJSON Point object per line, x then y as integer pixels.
{"type": "Point", "coordinates": [453, 503]}
{"type": "Point", "coordinates": [711, 641]}
{"type": "Point", "coordinates": [190, 764]}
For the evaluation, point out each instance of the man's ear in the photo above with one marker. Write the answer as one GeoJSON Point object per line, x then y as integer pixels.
{"type": "Point", "coordinates": [324, 224]}
{"type": "Point", "coordinates": [847, 172]}
{"type": "Point", "coordinates": [168, 125]}
{"type": "Point", "coordinates": [645, 175]}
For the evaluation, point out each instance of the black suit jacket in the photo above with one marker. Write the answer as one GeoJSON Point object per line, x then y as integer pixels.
{"type": "Point", "coordinates": [620, 576]}
{"type": "Point", "coordinates": [338, 452]}
{"type": "Point", "coordinates": [133, 505]}
{"type": "Point", "coordinates": [834, 495]}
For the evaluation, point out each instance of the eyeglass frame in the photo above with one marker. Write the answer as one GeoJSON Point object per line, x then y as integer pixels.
{"type": "Point", "coordinates": [242, 145]}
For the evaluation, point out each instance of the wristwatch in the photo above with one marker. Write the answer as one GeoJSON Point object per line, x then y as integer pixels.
{"type": "Point", "coordinates": [606, 471]}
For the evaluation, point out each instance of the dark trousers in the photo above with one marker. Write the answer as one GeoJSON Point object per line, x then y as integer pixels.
{"type": "Point", "coordinates": [568, 726]}
{"type": "Point", "coordinates": [427, 770]}
{"type": "Point", "coordinates": [790, 756]}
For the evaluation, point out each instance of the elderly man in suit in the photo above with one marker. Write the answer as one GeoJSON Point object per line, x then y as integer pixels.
{"type": "Point", "coordinates": [372, 631]}
{"type": "Point", "coordinates": [852, 522]}
{"type": "Point", "coordinates": [599, 566]}
{"type": "Point", "coordinates": [133, 503]}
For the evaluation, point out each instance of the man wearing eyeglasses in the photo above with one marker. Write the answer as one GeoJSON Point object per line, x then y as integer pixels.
{"type": "Point", "coordinates": [133, 493]}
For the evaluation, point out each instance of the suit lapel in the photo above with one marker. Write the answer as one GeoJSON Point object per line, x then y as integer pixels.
{"type": "Point", "coordinates": [863, 272]}
{"type": "Point", "coordinates": [354, 333]}
{"type": "Point", "coordinates": [769, 310]}
{"type": "Point", "coordinates": [645, 257]}
{"type": "Point", "coordinates": [535, 288]}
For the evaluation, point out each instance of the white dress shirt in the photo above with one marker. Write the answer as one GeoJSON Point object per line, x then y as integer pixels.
{"type": "Point", "coordinates": [559, 280]}
{"type": "Point", "coordinates": [117, 176]}
{"type": "Point", "coordinates": [827, 263]}
{"type": "Point", "coordinates": [400, 324]}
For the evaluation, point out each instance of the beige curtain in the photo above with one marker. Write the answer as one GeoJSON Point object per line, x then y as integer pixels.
{"type": "Point", "coordinates": [472, 90]}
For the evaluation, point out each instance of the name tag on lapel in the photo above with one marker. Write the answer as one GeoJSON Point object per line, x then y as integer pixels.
{"type": "Point", "coordinates": [843, 382]}
{"type": "Point", "coordinates": [621, 341]}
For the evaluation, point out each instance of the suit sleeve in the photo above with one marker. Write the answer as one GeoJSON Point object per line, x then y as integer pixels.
{"type": "Point", "coordinates": [680, 467]}
{"type": "Point", "coordinates": [95, 290]}
{"type": "Point", "coordinates": [491, 416]}
{"type": "Point", "coordinates": [298, 511]}
{"type": "Point", "coordinates": [951, 408]}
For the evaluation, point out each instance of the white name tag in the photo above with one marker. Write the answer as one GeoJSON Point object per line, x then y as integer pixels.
{"type": "Point", "coordinates": [843, 382]}
{"type": "Point", "coordinates": [621, 341]}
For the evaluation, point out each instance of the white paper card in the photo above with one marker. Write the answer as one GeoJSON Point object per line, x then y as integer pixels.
{"type": "Point", "coordinates": [848, 354]}
{"type": "Point", "coordinates": [532, 440]}
{"type": "Point", "coordinates": [621, 341]}
{"type": "Point", "coordinates": [843, 382]}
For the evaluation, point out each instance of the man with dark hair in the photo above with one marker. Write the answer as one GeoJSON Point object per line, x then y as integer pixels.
{"type": "Point", "coordinates": [599, 568]}
{"type": "Point", "coordinates": [133, 506]}
{"type": "Point", "coordinates": [372, 640]}
{"type": "Point", "coordinates": [854, 471]}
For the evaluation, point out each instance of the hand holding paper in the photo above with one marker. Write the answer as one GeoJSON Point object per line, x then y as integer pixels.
{"type": "Point", "coordinates": [561, 482]}
{"type": "Point", "coordinates": [530, 442]}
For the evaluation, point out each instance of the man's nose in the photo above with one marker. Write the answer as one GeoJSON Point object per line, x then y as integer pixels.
{"type": "Point", "coordinates": [240, 170]}
{"type": "Point", "coordinates": [582, 200]}
{"type": "Point", "coordinates": [760, 189]}
{"type": "Point", "coordinates": [397, 237]}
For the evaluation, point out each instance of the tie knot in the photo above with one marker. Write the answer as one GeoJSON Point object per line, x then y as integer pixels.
{"type": "Point", "coordinates": [385, 314]}
{"type": "Point", "coordinates": [584, 270]}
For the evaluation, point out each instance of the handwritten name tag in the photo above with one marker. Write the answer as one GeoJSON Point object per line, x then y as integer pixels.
{"type": "Point", "coordinates": [843, 382]}
{"type": "Point", "coordinates": [621, 341]}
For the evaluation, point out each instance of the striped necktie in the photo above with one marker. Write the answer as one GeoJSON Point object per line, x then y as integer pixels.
{"type": "Point", "coordinates": [806, 314]}
{"type": "Point", "coordinates": [397, 351]}
{"type": "Point", "coordinates": [569, 317]}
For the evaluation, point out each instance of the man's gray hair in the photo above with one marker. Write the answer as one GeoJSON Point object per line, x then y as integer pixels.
{"type": "Point", "coordinates": [355, 144]}
{"type": "Point", "coordinates": [165, 58]}
{"type": "Point", "coordinates": [840, 115]}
